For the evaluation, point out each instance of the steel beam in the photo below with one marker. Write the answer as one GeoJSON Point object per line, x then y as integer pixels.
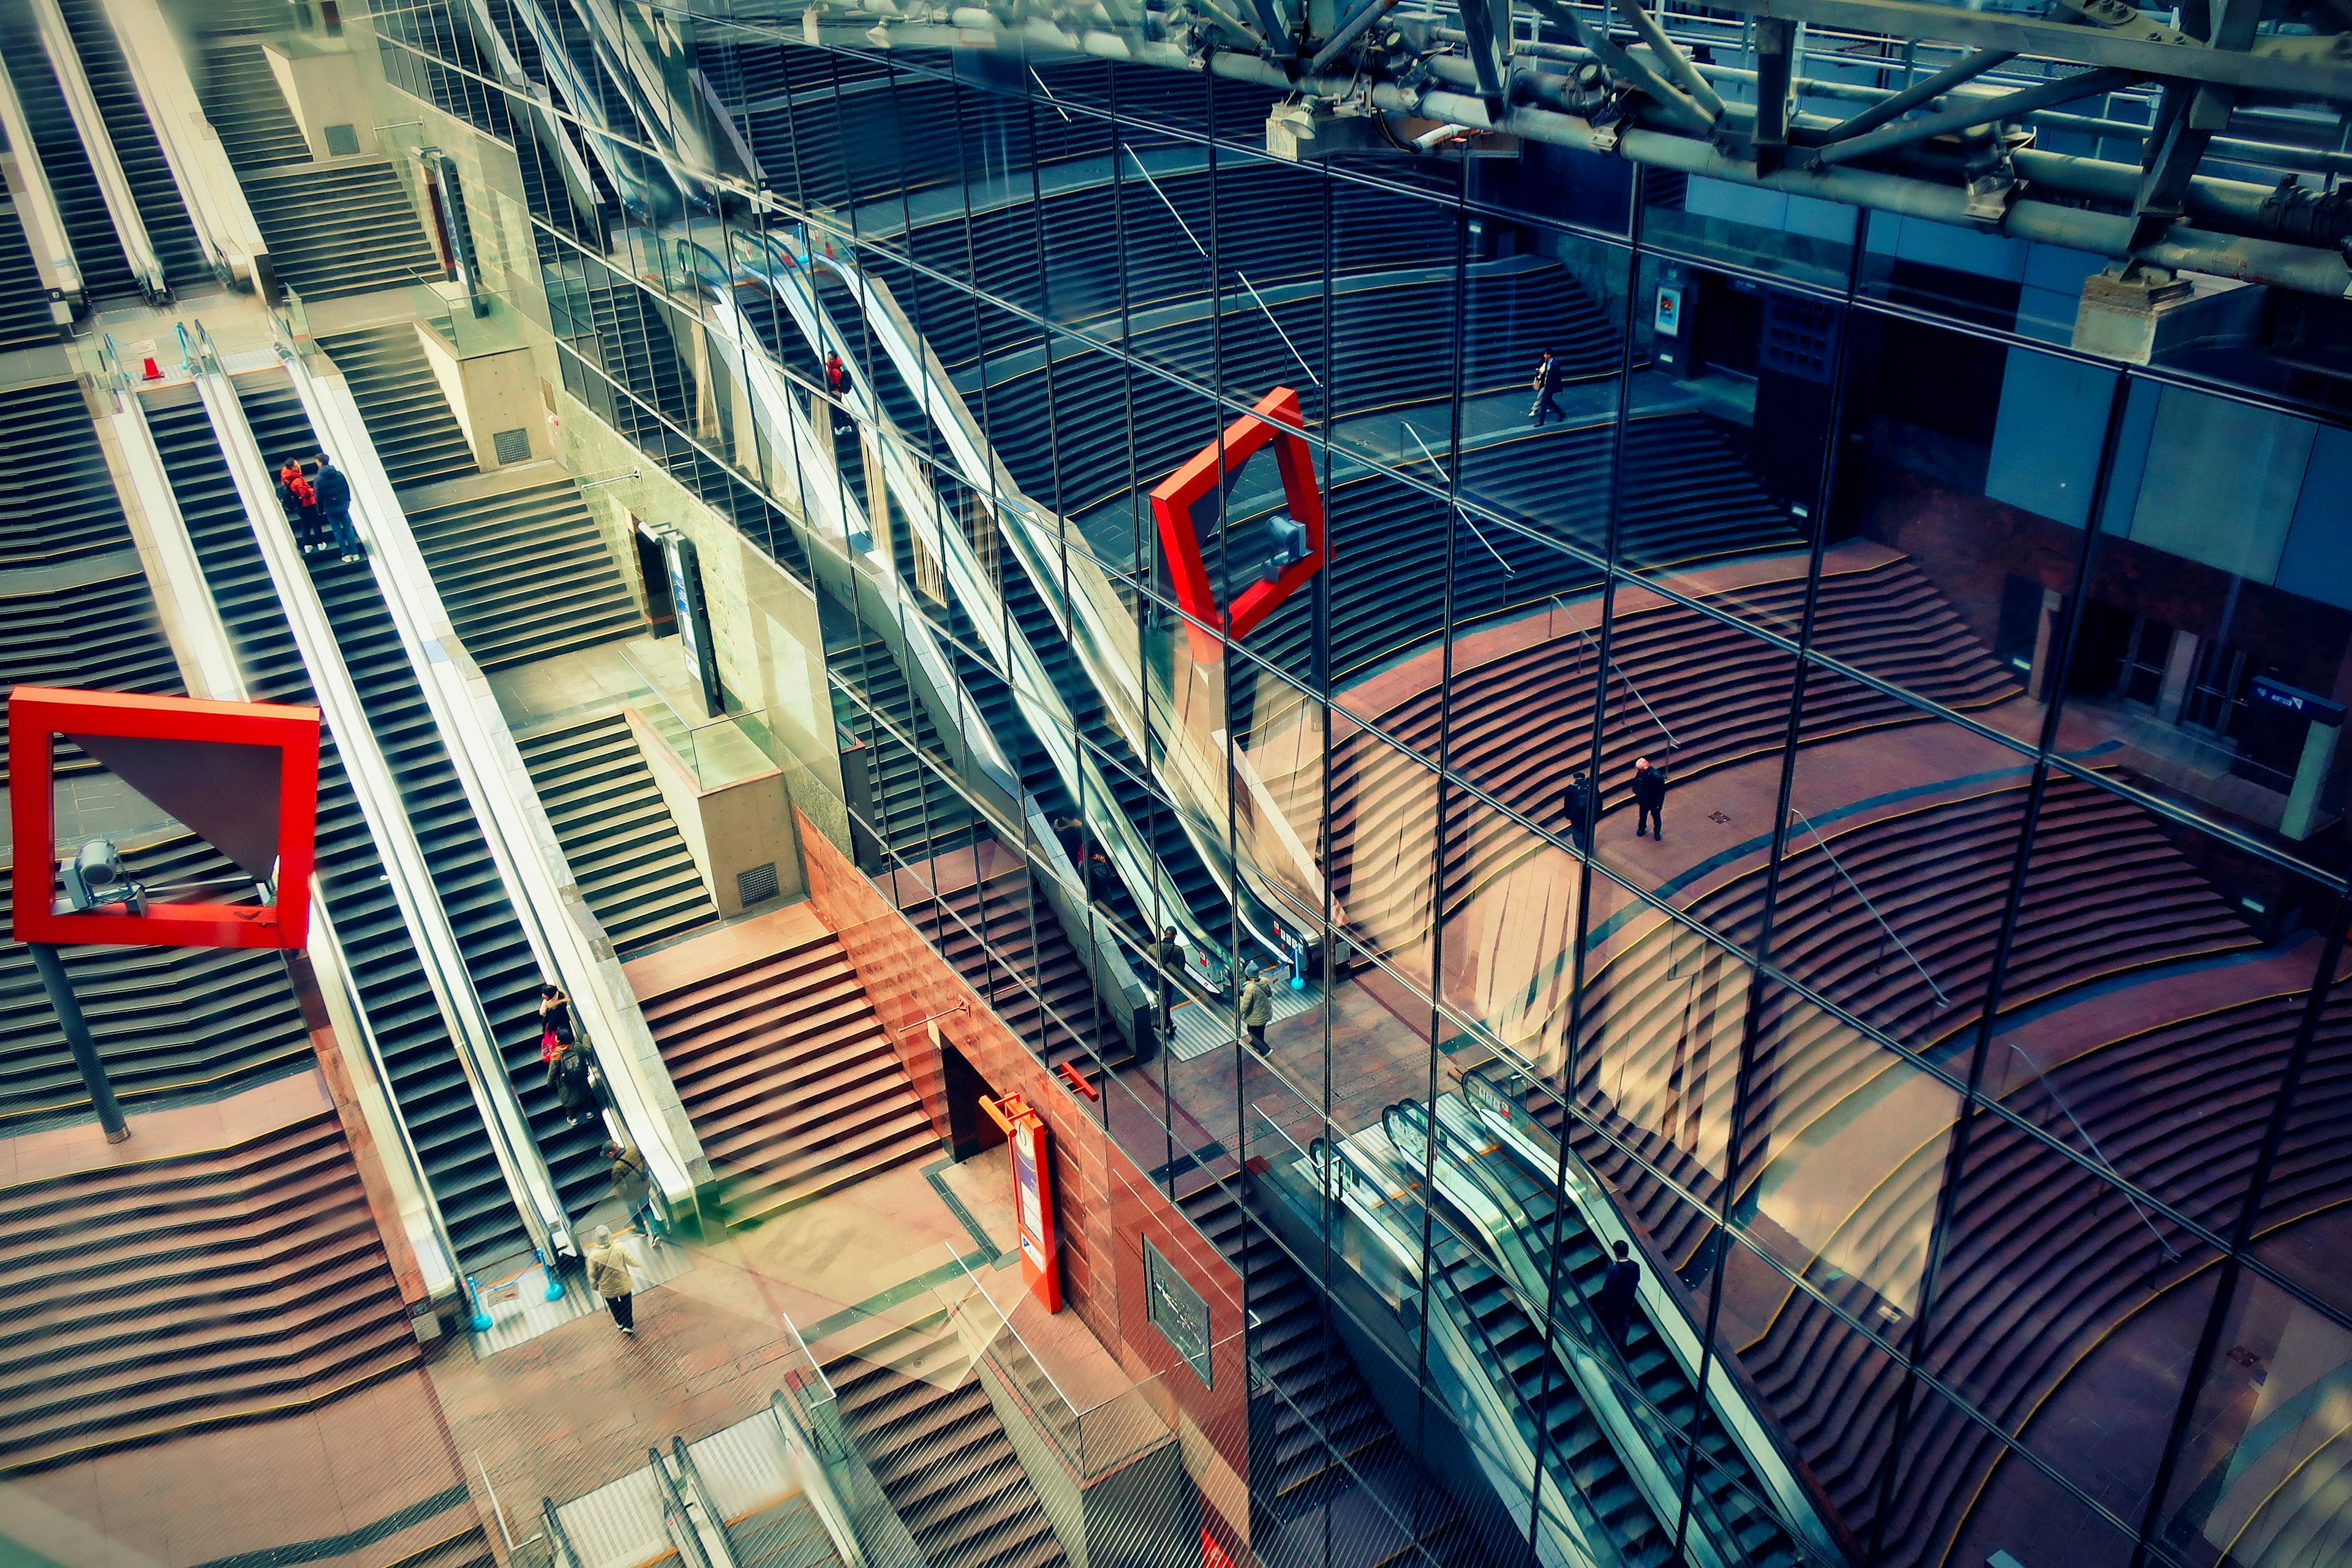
{"type": "Point", "coordinates": [1695, 85]}
{"type": "Point", "coordinates": [1983, 111]}
{"type": "Point", "coordinates": [2283, 65]}
{"type": "Point", "coordinates": [1925, 91]}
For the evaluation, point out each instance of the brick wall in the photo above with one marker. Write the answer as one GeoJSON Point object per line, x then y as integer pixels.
{"type": "Point", "coordinates": [1104, 1204]}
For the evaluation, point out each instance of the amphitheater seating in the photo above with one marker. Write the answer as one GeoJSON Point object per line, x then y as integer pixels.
{"type": "Point", "coordinates": [1722, 693]}
{"type": "Point", "coordinates": [191, 1291]}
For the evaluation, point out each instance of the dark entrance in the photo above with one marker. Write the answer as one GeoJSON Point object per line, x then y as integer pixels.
{"type": "Point", "coordinates": [970, 1131]}
{"type": "Point", "coordinates": [653, 576]}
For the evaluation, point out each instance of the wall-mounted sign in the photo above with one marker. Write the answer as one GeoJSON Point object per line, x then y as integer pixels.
{"type": "Point", "coordinates": [1176, 1311]}
{"type": "Point", "coordinates": [693, 617]}
{"type": "Point", "coordinates": [2295, 699]}
{"type": "Point", "coordinates": [1030, 1141]}
{"type": "Point", "coordinates": [1669, 316]}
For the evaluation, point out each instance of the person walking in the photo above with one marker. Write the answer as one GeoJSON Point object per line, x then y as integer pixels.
{"type": "Point", "coordinates": [609, 1263]}
{"type": "Point", "coordinates": [1614, 1305]}
{"type": "Point", "coordinates": [1550, 376]}
{"type": "Point", "coordinates": [554, 1020]}
{"type": "Point", "coordinates": [334, 493]}
{"type": "Point", "coordinates": [1576, 806]}
{"type": "Point", "coordinates": [635, 1189]}
{"type": "Point", "coordinates": [1649, 797]}
{"type": "Point", "coordinates": [304, 502]}
{"type": "Point", "coordinates": [1257, 1005]}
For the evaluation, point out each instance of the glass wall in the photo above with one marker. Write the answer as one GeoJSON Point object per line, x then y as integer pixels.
{"type": "Point", "coordinates": [1274, 611]}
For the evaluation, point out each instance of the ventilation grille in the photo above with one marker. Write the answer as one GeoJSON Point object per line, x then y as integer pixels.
{"type": "Point", "coordinates": [343, 142]}
{"type": "Point", "coordinates": [757, 885]}
{"type": "Point", "coordinates": [511, 446]}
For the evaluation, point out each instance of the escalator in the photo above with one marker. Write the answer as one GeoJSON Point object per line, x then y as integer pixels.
{"type": "Point", "coordinates": [89, 229]}
{"type": "Point", "coordinates": [157, 193]}
{"type": "Point", "coordinates": [1607, 1428]}
{"type": "Point", "coordinates": [427, 1079]}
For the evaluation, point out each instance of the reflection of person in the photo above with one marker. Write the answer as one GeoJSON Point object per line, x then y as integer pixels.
{"type": "Point", "coordinates": [1649, 797]}
{"type": "Point", "coordinates": [1550, 376]}
{"type": "Point", "coordinates": [1576, 806]}
{"type": "Point", "coordinates": [1168, 958]}
{"type": "Point", "coordinates": [1614, 1305]}
{"type": "Point", "coordinates": [1257, 1005]}
{"type": "Point", "coordinates": [633, 1187]}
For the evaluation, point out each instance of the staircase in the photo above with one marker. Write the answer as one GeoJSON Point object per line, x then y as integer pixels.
{"type": "Point", "coordinates": [241, 97]}
{"type": "Point", "coordinates": [170, 1021]}
{"type": "Point", "coordinates": [524, 574]}
{"type": "Point", "coordinates": [917, 812]}
{"type": "Point", "coordinates": [623, 847]}
{"type": "Point", "coordinates": [344, 228]}
{"type": "Point", "coordinates": [417, 437]}
{"type": "Point", "coordinates": [946, 1466]}
{"type": "Point", "coordinates": [196, 1289]}
{"type": "Point", "coordinates": [101, 635]}
{"type": "Point", "coordinates": [57, 498]}
{"type": "Point", "coordinates": [791, 1084]}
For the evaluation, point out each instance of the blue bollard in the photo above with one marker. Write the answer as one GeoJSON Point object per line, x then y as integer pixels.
{"type": "Point", "coordinates": [554, 1286]}
{"type": "Point", "coordinates": [480, 1323]}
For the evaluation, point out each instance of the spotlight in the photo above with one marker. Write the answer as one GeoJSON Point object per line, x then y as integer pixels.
{"type": "Point", "coordinates": [94, 879]}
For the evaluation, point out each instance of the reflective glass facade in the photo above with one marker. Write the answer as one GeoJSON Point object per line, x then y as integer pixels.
{"type": "Point", "coordinates": [1964, 1072]}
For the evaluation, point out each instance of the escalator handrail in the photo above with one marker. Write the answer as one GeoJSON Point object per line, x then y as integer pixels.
{"type": "Point", "coordinates": [677, 1522]}
{"type": "Point", "coordinates": [530, 1183]}
{"type": "Point", "coordinates": [614, 1028]}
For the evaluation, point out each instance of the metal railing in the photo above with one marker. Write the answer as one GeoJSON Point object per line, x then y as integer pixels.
{"type": "Point", "coordinates": [1900, 945]}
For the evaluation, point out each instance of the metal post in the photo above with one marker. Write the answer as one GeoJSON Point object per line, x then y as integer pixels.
{"type": "Point", "coordinates": [85, 1052]}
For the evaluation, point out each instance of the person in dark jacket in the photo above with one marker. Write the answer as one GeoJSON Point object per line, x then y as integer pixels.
{"type": "Point", "coordinates": [567, 1075]}
{"type": "Point", "coordinates": [1649, 797]}
{"type": "Point", "coordinates": [1576, 809]}
{"type": "Point", "coordinates": [1168, 956]}
{"type": "Point", "coordinates": [1614, 1305]}
{"type": "Point", "coordinates": [1550, 376]}
{"type": "Point", "coordinates": [334, 492]}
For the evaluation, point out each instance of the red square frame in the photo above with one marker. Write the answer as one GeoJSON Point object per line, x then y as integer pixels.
{"type": "Point", "coordinates": [1274, 418]}
{"type": "Point", "coordinates": [38, 715]}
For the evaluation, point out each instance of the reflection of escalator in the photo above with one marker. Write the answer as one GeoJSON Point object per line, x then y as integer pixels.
{"type": "Point", "coordinates": [1608, 1429]}
{"type": "Point", "coordinates": [1646, 1395]}
{"type": "Point", "coordinates": [153, 186]}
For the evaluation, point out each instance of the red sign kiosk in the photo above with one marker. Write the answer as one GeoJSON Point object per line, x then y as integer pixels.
{"type": "Point", "coordinates": [1030, 1139]}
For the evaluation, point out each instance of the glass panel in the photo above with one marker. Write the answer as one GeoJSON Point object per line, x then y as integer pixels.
{"type": "Point", "coordinates": [1796, 236]}
{"type": "Point", "coordinates": [2211, 629]}
{"type": "Point", "coordinates": [2067, 1313]}
{"type": "Point", "coordinates": [1382, 859]}
{"type": "Point", "coordinates": [1960, 1496]}
{"type": "Point", "coordinates": [2298, 1228]}
{"type": "Point", "coordinates": [1845, 1155]}
{"type": "Point", "coordinates": [1959, 500]}
{"type": "Point", "coordinates": [2264, 1463]}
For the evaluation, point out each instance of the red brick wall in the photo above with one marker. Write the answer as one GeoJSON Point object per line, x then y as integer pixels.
{"type": "Point", "coordinates": [1103, 1202]}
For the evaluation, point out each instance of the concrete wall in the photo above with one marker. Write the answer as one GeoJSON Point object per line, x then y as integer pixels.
{"type": "Point", "coordinates": [322, 84]}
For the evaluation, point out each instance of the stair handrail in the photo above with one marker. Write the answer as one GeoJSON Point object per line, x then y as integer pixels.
{"type": "Point", "coordinates": [2171, 1254]}
{"type": "Point", "coordinates": [1900, 946]}
{"type": "Point", "coordinates": [1608, 663]}
{"type": "Point", "coordinates": [865, 1526]}
{"type": "Point", "coordinates": [98, 146]}
{"type": "Point", "coordinates": [666, 1142]}
{"type": "Point", "coordinates": [558, 1541]}
{"type": "Point", "coordinates": [528, 1182]}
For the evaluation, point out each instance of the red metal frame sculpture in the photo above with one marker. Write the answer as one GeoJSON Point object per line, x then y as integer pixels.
{"type": "Point", "coordinates": [1275, 418]}
{"type": "Point", "coordinates": [38, 715]}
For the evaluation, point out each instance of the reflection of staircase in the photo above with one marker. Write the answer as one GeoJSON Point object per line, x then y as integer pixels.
{"type": "Point", "coordinates": [1000, 911]}
{"type": "Point", "coordinates": [624, 847]}
{"type": "Point", "coordinates": [524, 574]}
{"type": "Point", "coordinates": [408, 419]}
{"type": "Point", "coordinates": [791, 1084]}
{"type": "Point", "coordinates": [195, 1288]}
{"type": "Point", "coordinates": [947, 1466]}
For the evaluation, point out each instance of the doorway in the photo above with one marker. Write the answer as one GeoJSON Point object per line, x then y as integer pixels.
{"type": "Point", "coordinates": [653, 577]}
{"type": "Point", "coordinates": [969, 1129]}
